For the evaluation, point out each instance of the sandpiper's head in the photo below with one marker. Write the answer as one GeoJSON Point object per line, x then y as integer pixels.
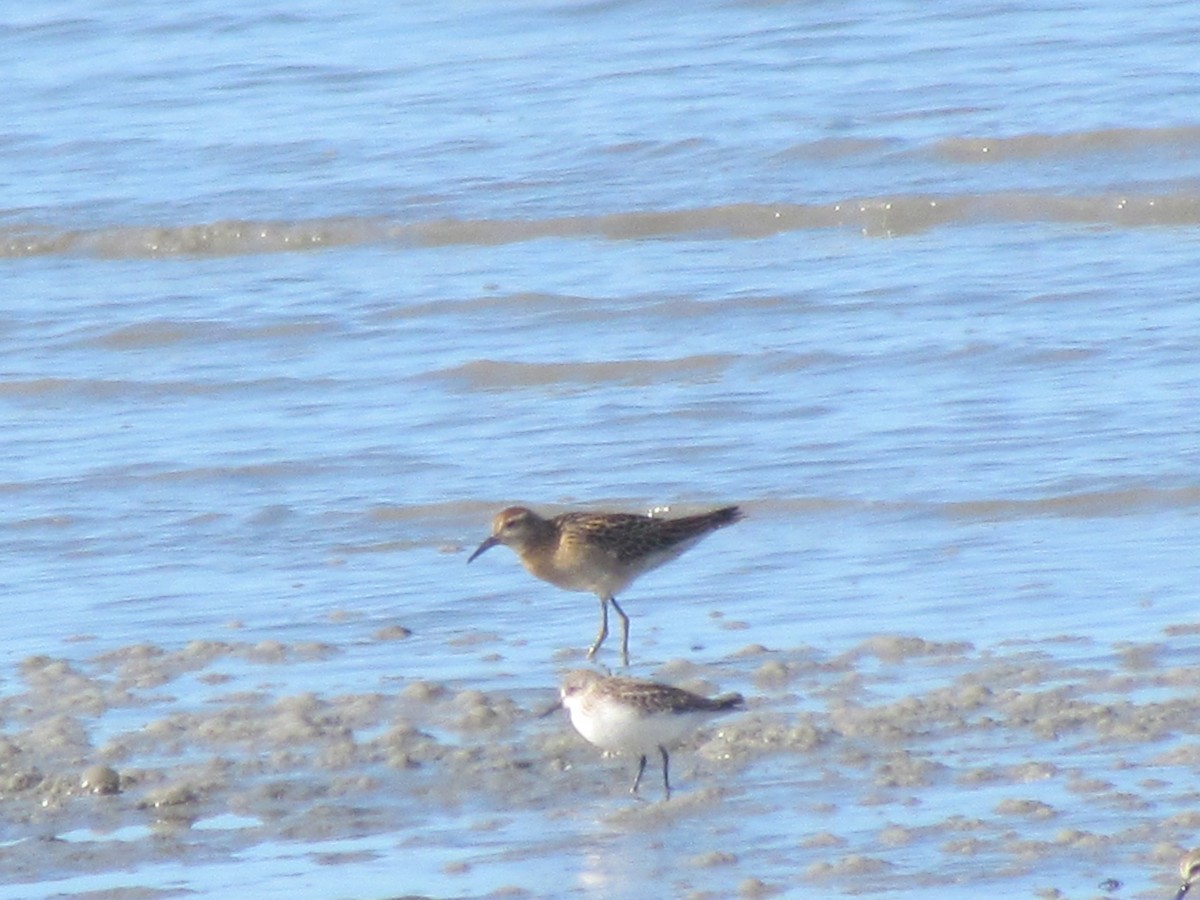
{"type": "Point", "coordinates": [575, 684]}
{"type": "Point", "coordinates": [1189, 871]}
{"type": "Point", "coordinates": [514, 526]}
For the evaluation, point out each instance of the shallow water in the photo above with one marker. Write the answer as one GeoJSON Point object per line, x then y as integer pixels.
{"type": "Point", "coordinates": [298, 297]}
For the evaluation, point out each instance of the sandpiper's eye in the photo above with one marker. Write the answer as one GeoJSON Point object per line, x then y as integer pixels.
{"type": "Point", "coordinates": [511, 522]}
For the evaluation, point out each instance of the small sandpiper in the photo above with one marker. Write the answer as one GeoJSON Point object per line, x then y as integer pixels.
{"type": "Point", "coordinates": [600, 552]}
{"type": "Point", "coordinates": [1189, 871]}
{"type": "Point", "coordinates": [634, 716]}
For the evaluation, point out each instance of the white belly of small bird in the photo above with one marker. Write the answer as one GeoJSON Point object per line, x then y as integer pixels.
{"type": "Point", "coordinates": [615, 726]}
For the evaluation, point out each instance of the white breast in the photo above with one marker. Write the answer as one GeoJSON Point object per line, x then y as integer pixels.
{"type": "Point", "coordinates": [616, 726]}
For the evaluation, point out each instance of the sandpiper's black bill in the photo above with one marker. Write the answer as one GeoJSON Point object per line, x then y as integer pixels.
{"type": "Point", "coordinates": [486, 545]}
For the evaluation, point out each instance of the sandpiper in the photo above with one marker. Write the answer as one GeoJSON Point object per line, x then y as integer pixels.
{"type": "Point", "coordinates": [599, 552]}
{"type": "Point", "coordinates": [626, 714]}
{"type": "Point", "coordinates": [1189, 871]}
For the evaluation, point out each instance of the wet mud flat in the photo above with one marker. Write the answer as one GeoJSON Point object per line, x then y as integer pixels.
{"type": "Point", "coordinates": [1051, 769]}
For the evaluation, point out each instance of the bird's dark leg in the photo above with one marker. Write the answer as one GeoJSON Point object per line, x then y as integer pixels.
{"type": "Point", "coordinates": [624, 631]}
{"type": "Point", "coordinates": [603, 633]}
{"type": "Point", "coordinates": [666, 778]}
{"type": "Point", "coordinates": [638, 778]}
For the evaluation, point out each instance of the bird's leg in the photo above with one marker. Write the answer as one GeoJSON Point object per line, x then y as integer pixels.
{"type": "Point", "coordinates": [666, 778]}
{"type": "Point", "coordinates": [603, 627]}
{"type": "Point", "coordinates": [624, 631]}
{"type": "Point", "coordinates": [638, 778]}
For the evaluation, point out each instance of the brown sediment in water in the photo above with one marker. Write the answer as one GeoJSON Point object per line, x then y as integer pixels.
{"type": "Point", "coordinates": [1014, 758]}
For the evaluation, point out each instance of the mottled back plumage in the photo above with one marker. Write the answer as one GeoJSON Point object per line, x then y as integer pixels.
{"type": "Point", "coordinates": [652, 697]}
{"type": "Point", "coordinates": [630, 537]}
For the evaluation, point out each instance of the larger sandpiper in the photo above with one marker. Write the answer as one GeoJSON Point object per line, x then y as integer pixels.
{"type": "Point", "coordinates": [600, 552]}
{"type": "Point", "coordinates": [629, 715]}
